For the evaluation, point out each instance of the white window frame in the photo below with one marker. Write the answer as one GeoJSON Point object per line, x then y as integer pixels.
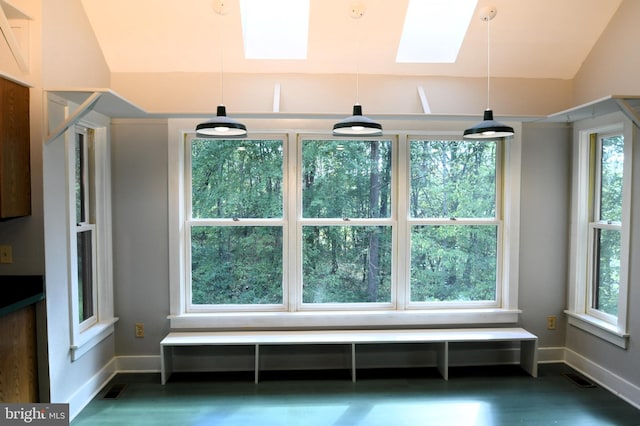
{"type": "Point", "coordinates": [613, 329]}
{"type": "Point", "coordinates": [497, 220]}
{"type": "Point", "coordinates": [399, 316]}
{"type": "Point", "coordinates": [86, 334]}
{"type": "Point", "coordinates": [391, 221]}
{"type": "Point", "coordinates": [275, 222]}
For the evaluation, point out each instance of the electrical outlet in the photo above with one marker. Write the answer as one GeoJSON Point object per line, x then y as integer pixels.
{"type": "Point", "coordinates": [551, 322]}
{"type": "Point", "coordinates": [139, 329]}
{"type": "Point", "coordinates": [6, 254]}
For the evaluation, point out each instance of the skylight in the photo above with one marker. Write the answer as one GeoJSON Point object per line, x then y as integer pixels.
{"type": "Point", "coordinates": [434, 30]}
{"type": "Point", "coordinates": [275, 29]}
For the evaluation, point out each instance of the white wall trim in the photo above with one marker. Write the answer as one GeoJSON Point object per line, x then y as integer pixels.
{"type": "Point", "coordinates": [551, 355]}
{"type": "Point", "coordinates": [91, 388]}
{"type": "Point", "coordinates": [605, 378]}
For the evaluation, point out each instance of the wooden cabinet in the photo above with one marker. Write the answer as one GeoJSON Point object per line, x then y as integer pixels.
{"type": "Point", "coordinates": [15, 170]}
{"type": "Point", "coordinates": [18, 357]}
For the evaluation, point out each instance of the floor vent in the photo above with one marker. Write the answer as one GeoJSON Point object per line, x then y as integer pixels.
{"type": "Point", "coordinates": [579, 380]}
{"type": "Point", "coordinates": [114, 391]}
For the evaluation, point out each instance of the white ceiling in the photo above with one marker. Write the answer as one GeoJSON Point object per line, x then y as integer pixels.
{"type": "Point", "coordinates": [529, 38]}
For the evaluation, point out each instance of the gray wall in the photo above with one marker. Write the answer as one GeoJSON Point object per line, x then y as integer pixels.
{"type": "Point", "coordinates": [544, 229]}
{"type": "Point", "coordinates": [140, 234]}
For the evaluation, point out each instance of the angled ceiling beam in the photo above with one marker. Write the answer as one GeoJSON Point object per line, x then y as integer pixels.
{"type": "Point", "coordinates": [276, 98]}
{"type": "Point", "coordinates": [423, 100]}
{"type": "Point", "coordinates": [9, 35]}
{"type": "Point", "coordinates": [629, 111]}
{"type": "Point", "coordinates": [74, 117]}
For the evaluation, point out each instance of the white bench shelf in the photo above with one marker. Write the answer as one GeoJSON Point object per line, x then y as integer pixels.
{"type": "Point", "coordinates": [440, 337]}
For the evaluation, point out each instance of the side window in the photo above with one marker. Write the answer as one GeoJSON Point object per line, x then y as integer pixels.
{"type": "Point", "coordinates": [601, 214]}
{"type": "Point", "coordinates": [89, 213]}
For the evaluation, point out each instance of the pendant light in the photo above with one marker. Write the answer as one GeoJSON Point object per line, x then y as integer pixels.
{"type": "Point", "coordinates": [488, 128]}
{"type": "Point", "coordinates": [221, 126]}
{"type": "Point", "coordinates": [357, 124]}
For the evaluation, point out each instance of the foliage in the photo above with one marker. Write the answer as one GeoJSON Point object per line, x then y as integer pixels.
{"type": "Point", "coordinates": [607, 273]}
{"type": "Point", "coordinates": [236, 265]}
{"type": "Point", "coordinates": [236, 178]}
{"type": "Point", "coordinates": [347, 179]}
{"type": "Point", "coordinates": [451, 180]}
{"type": "Point", "coordinates": [337, 265]}
{"type": "Point", "coordinates": [345, 185]}
{"type": "Point", "coordinates": [453, 263]}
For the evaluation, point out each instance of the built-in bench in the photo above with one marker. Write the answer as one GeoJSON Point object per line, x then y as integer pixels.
{"type": "Point", "coordinates": [440, 338]}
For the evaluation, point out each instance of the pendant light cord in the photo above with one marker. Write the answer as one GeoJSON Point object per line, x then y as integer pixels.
{"type": "Point", "coordinates": [220, 38]}
{"type": "Point", "coordinates": [358, 60]}
{"type": "Point", "coordinates": [488, 63]}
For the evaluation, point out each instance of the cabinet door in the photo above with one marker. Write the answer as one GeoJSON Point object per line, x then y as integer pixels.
{"type": "Point", "coordinates": [15, 171]}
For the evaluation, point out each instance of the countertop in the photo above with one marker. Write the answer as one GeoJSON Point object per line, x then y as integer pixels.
{"type": "Point", "coordinates": [19, 291]}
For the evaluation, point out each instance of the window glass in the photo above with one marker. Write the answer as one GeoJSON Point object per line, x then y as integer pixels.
{"type": "Point", "coordinates": [236, 178]}
{"type": "Point", "coordinates": [80, 177]}
{"type": "Point", "coordinates": [236, 265]}
{"type": "Point", "coordinates": [338, 241]}
{"type": "Point", "coordinates": [453, 179]}
{"type": "Point", "coordinates": [346, 178]}
{"type": "Point", "coordinates": [84, 187]}
{"type": "Point", "coordinates": [607, 274]}
{"type": "Point", "coordinates": [236, 259]}
{"type": "Point", "coordinates": [612, 167]}
{"type": "Point", "coordinates": [453, 263]}
{"type": "Point", "coordinates": [85, 275]}
{"type": "Point", "coordinates": [346, 264]}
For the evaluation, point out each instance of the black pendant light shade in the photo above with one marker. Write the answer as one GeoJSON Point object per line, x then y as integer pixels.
{"type": "Point", "coordinates": [357, 124]}
{"type": "Point", "coordinates": [221, 126]}
{"type": "Point", "coordinates": [488, 128]}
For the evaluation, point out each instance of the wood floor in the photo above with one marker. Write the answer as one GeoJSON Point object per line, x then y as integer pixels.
{"type": "Point", "coordinates": [479, 396]}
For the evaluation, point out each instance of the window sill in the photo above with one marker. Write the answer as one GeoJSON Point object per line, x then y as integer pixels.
{"type": "Point", "coordinates": [338, 319]}
{"type": "Point", "coordinates": [91, 337]}
{"type": "Point", "coordinates": [599, 328]}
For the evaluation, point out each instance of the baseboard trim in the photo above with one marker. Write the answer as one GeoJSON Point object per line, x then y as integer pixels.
{"type": "Point", "coordinates": [138, 364]}
{"type": "Point", "coordinates": [91, 388]}
{"type": "Point", "coordinates": [551, 355]}
{"type": "Point", "coordinates": [605, 378]}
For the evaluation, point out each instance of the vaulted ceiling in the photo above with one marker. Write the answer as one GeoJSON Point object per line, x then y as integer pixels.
{"type": "Point", "coordinates": [547, 39]}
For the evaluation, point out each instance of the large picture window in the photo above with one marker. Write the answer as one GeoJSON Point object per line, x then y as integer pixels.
{"type": "Point", "coordinates": [312, 226]}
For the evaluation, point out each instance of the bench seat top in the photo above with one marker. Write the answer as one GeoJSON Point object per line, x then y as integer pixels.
{"type": "Point", "coordinates": [285, 337]}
